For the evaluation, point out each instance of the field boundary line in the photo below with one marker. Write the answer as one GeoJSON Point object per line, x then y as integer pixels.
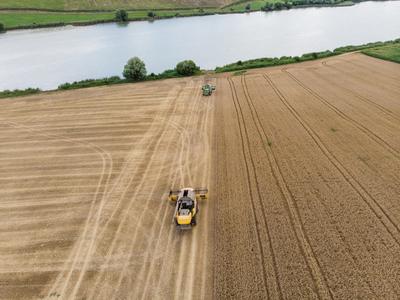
{"type": "Point", "coordinates": [149, 145]}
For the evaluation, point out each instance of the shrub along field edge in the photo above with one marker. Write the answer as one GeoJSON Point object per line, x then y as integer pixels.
{"type": "Point", "coordinates": [391, 51]}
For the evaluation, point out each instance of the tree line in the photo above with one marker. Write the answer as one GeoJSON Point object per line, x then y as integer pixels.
{"type": "Point", "coordinates": [279, 5]}
{"type": "Point", "coordinates": [135, 71]}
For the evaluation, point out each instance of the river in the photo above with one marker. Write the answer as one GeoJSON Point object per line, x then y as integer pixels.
{"type": "Point", "coordinates": [45, 58]}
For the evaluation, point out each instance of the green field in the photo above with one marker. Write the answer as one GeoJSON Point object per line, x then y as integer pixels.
{"type": "Point", "coordinates": [13, 19]}
{"type": "Point", "coordinates": [390, 52]}
{"type": "Point", "coordinates": [241, 6]}
{"type": "Point", "coordinates": [29, 18]}
{"type": "Point", "coordinates": [108, 4]}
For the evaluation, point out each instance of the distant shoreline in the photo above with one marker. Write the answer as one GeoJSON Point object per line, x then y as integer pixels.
{"type": "Point", "coordinates": [195, 13]}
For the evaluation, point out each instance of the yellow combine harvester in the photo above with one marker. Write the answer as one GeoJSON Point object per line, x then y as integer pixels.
{"type": "Point", "coordinates": [186, 207]}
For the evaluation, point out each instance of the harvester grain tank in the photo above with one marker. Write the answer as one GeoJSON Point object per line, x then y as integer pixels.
{"type": "Point", "coordinates": [187, 207]}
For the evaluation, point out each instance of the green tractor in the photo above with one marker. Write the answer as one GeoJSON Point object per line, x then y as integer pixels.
{"type": "Point", "coordinates": [208, 89]}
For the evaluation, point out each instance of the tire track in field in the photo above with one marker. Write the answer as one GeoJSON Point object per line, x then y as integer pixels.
{"type": "Point", "coordinates": [372, 203]}
{"type": "Point", "coordinates": [87, 258]}
{"type": "Point", "coordinates": [358, 96]}
{"type": "Point", "coordinates": [103, 155]}
{"type": "Point", "coordinates": [162, 230]}
{"type": "Point", "coordinates": [383, 74]}
{"type": "Point", "coordinates": [182, 165]}
{"type": "Point", "coordinates": [179, 173]}
{"type": "Point", "coordinates": [187, 257]}
{"type": "Point", "coordinates": [184, 136]}
{"type": "Point", "coordinates": [207, 126]}
{"type": "Point", "coordinates": [152, 142]}
{"type": "Point", "coordinates": [182, 252]}
{"type": "Point", "coordinates": [344, 116]}
{"type": "Point", "coordinates": [189, 286]}
{"type": "Point", "coordinates": [274, 157]}
{"type": "Point", "coordinates": [308, 253]}
{"type": "Point", "coordinates": [186, 269]}
{"type": "Point", "coordinates": [244, 132]}
{"type": "Point", "coordinates": [136, 232]}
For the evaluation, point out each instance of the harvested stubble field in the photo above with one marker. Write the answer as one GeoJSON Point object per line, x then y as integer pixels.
{"type": "Point", "coordinates": [302, 163]}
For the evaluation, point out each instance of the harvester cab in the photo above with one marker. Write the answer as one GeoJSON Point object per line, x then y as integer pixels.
{"type": "Point", "coordinates": [186, 208]}
{"type": "Point", "coordinates": [208, 89]}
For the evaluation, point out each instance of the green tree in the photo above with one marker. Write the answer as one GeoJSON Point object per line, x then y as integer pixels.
{"type": "Point", "coordinates": [135, 69]}
{"type": "Point", "coordinates": [121, 15]}
{"type": "Point", "coordinates": [151, 14]}
{"type": "Point", "coordinates": [290, 4]}
{"type": "Point", "coordinates": [248, 6]}
{"type": "Point", "coordinates": [186, 68]}
{"type": "Point", "coordinates": [2, 28]}
{"type": "Point", "coordinates": [279, 5]}
{"type": "Point", "coordinates": [268, 6]}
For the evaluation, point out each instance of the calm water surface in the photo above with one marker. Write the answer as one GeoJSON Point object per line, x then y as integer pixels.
{"type": "Point", "coordinates": [46, 58]}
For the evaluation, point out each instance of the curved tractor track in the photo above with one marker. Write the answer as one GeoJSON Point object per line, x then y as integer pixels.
{"type": "Point", "coordinates": [302, 163]}
{"type": "Point", "coordinates": [86, 193]}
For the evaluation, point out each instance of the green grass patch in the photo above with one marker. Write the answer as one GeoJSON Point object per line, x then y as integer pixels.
{"type": "Point", "coordinates": [389, 52]}
{"type": "Point", "coordinates": [345, 3]}
{"type": "Point", "coordinates": [100, 5]}
{"type": "Point", "coordinates": [240, 6]}
{"type": "Point", "coordinates": [39, 4]}
{"type": "Point", "coordinates": [238, 73]}
{"type": "Point", "coordinates": [17, 19]}
{"type": "Point", "coordinates": [22, 19]}
{"type": "Point", "coordinates": [17, 93]}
